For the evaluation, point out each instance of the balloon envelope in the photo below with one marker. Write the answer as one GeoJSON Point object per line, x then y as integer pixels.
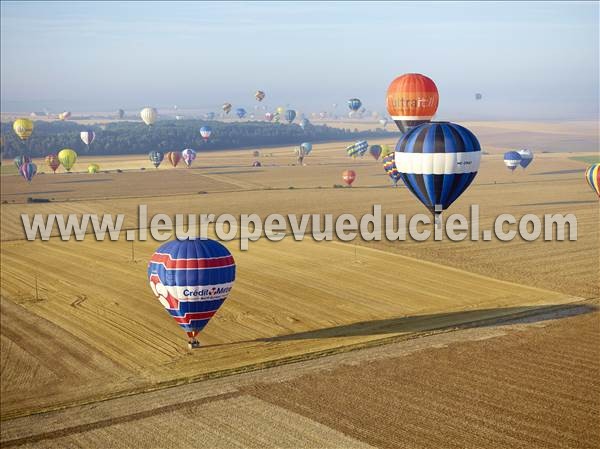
{"type": "Point", "coordinates": [389, 165]}
{"type": "Point", "coordinates": [23, 127]}
{"type": "Point", "coordinates": [259, 95]}
{"type": "Point", "coordinates": [412, 99]}
{"type": "Point", "coordinates": [592, 176]}
{"type": "Point", "coordinates": [205, 132]}
{"type": "Point", "coordinates": [354, 104]}
{"type": "Point", "coordinates": [357, 149]}
{"type": "Point", "coordinates": [240, 112]}
{"type": "Point", "coordinates": [512, 160]}
{"type": "Point", "coordinates": [188, 155]}
{"type": "Point", "coordinates": [349, 176]}
{"type": "Point", "coordinates": [87, 136]}
{"type": "Point", "coordinates": [174, 157]}
{"type": "Point", "coordinates": [93, 168]}
{"type": "Point", "coordinates": [28, 171]}
{"type": "Point", "coordinates": [156, 157]}
{"type": "Point", "coordinates": [526, 157]}
{"type": "Point", "coordinates": [226, 107]}
{"type": "Point", "coordinates": [52, 162]}
{"type": "Point", "coordinates": [20, 161]}
{"type": "Point", "coordinates": [149, 116]}
{"type": "Point", "coordinates": [437, 162]}
{"type": "Point", "coordinates": [191, 279]}
{"type": "Point", "coordinates": [67, 158]}
{"type": "Point", "coordinates": [375, 151]}
{"type": "Point", "coordinates": [290, 115]}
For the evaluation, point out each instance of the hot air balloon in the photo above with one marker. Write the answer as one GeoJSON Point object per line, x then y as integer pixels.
{"type": "Point", "coordinates": [87, 137]}
{"type": "Point", "coordinates": [437, 162]}
{"type": "Point", "coordinates": [307, 147]}
{"type": "Point", "coordinates": [156, 157]}
{"type": "Point", "coordinates": [280, 110]}
{"type": "Point", "coordinates": [383, 122]}
{"type": "Point", "coordinates": [375, 151]}
{"type": "Point", "coordinates": [592, 176]}
{"type": "Point", "coordinates": [120, 114]}
{"type": "Point", "coordinates": [226, 107]}
{"type": "Point", "coordinates": [23, 128]}
{"type": "Point", "coordinates": [188, 155]}
{"type": "Point", "coordinates": [478, 96]}
{"type": "Point", "coordinates": [259, 95]}
{"type": "Point", "coordinates": [389, 165]}
{"type": "Point", "coordinates": [20, 161]}
{"type": "Point", "coordinates": [526, 158]}
{"type": "Point", "coordinates": [64, 115]}
{"type": "Point", "coordinates": [256, 153]}
{"type": "Point", "coordinates": [412, 99]}
{"type": "Point", "coordinates": [357, 149]}
{"type": "Point", "coordinates": [322, 114]}
{"type": "Point", "coordinates": [256, 164]}
{"type": "Point", "coordinates": [205, 132]}
{"type": "Point", "coordinates": [512, 160]}
{"type": "Point", "coordinates": [174, 157]}
{"type": "Point", "coordinates": [149, 116]}
{"type": "Point", "coordinates": [240, 112]}
{"type": "Point", "coordinates": [349, 176]}
{"type": "Point", "coordinates": [269, 116]}
{"type": "Point", "coordinates": [192, 279]}
{"type": "Point", "coordinates": [304, 123]}
{"type": "Point", "coordinates": [290, 115]}
{"type": "Point", "coordinates": [354, 104]}
{"type": "Point", "coordinates": [28, 171]}
{"type": "Point", "coordinates": [385, 150]}
{"type": "Point", "coordinates": [93, 168]}
{"type": "Point", "coordinates": [67, 158]}
{"type": "Point", "coordinates": [52, 162]}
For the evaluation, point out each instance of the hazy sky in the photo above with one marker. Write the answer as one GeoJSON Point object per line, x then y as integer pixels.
{"type": "Point", "coordinates": [529, 60]}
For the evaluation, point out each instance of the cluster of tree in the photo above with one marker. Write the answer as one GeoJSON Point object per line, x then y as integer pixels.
{"type": "Point", "coordinates": [168, 135]}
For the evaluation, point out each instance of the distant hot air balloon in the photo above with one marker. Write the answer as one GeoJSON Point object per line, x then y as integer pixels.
{"type": "Point", "coordinates": [357, 149]}
{"type": "Point", "coordinates": [385, 150]}
{"type": "Point", "coordinates": [149, 115]}
{"type": "Point", "coordinates": [192, 279]}
{"type": "Point", "coordinates": [256, 153]}
{"type": "Point", "coordinates": [20, 161]}
{"type": "Point", "coordinates": [478, 96]}
{"type": "Point", "coordinates": [437, 162]}
{"type": "Point", "coordinates": [259, 95]}
{"type": "Point", "coordinates": [375, 151]}
{"type": "Point", "coordinates": [87, 137]}
{"type": "Point", "coordinates": [28, 171]}
{"type": "Point", "coordinates": [512, 160]}
{"type": "Point", "coordinates": [52, 162]}
{"type": "Point", "coordinates": [67, 158]}
{"type": "Point", "coordinates": [93, 168]}
{"type": "Point", "coordinates": [526, 158]}
{"type": "Point", "coordinates": [269, 116]}
{"type": "Point", "coordinates": [383, 122]}
{"type": "Point", "coordinates": [174, 157]}
{"type": "Point", "coordinates": [120, 114]}
{"type": "Point", "coordinates": [156, 157]}
{"type": "Point", "coordinates": [290, 115]}
{"type": "Point", "coordinates": [256, 164]}
{"type": "Point", "coordinates": [307, 147]}
{"type": "Point", "coordinates": [280, 110]}
{"type": "Point", "coordinates": [412, 99]}
{"type": "Point", "coordinates": [188, 155]}
{"type": "Point", "coordinates": [389, 165]}
{"type": "Point", "coordinates": [23, 128]}
{"type": "Point", "coordinates": [354, 104]}
{"type": "Point", "coordinates": [322, 114]}
{"type": "Point", "coordinates": [226, 107]}
{"type": "Point", "coordinates": [349, 176]}
{"type": "Point", "coordinates": [240, 112]}
{"type": "Point", "coordinates": [304, 123]}
{"type": "Point", "coordinates": [205, 132]}
{"type": "Point", "coordinates": [64, 115]}
{"type": "Point", "coordinates": [592, 176]}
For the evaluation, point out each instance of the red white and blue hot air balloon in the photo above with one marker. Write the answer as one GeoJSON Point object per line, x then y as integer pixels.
{"type": "Point", "coordinates": [192, 279]}
{"type": "Point", "coordinates": [437, 162]}
{"type": "Point", "coordinates": [205, 132]}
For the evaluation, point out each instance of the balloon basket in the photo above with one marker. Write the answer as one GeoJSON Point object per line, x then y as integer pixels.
{"type": "Point", "coordinates": [194, 344]}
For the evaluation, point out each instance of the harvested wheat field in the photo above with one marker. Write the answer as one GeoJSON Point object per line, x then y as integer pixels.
{"type": "Point", "coordinates": [88, 354]}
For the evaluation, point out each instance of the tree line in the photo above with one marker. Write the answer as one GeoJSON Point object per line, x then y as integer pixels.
{"type": "Point", "coordinates": [168, 135]}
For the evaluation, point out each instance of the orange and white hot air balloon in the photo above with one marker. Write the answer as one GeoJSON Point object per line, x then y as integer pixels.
{"type": "Point", "coordinates": [412, 99]}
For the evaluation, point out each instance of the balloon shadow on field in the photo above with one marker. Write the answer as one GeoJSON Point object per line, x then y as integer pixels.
{"type": "Point", "coordinates": [84, 181]}
{"type": "Point", "coordinates": [444, 321]}
{"type": "Point", "coordinates": [557, 203]}
{"type": "Point", "coordinates": [560, 172]}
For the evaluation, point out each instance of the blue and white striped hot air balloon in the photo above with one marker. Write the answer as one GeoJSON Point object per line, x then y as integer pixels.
{"type": "Point", "coordinates": [437, 162]}
{"type": "Point", "coordinates": [526, 158]}
{"type": "Point", "coordinates": [192, 279]}
{"type": "Point", "coordinates": [512, 160]}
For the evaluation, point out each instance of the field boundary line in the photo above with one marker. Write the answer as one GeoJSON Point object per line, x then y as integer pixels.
{"type": "Point", "coordinates": [343, 348]}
